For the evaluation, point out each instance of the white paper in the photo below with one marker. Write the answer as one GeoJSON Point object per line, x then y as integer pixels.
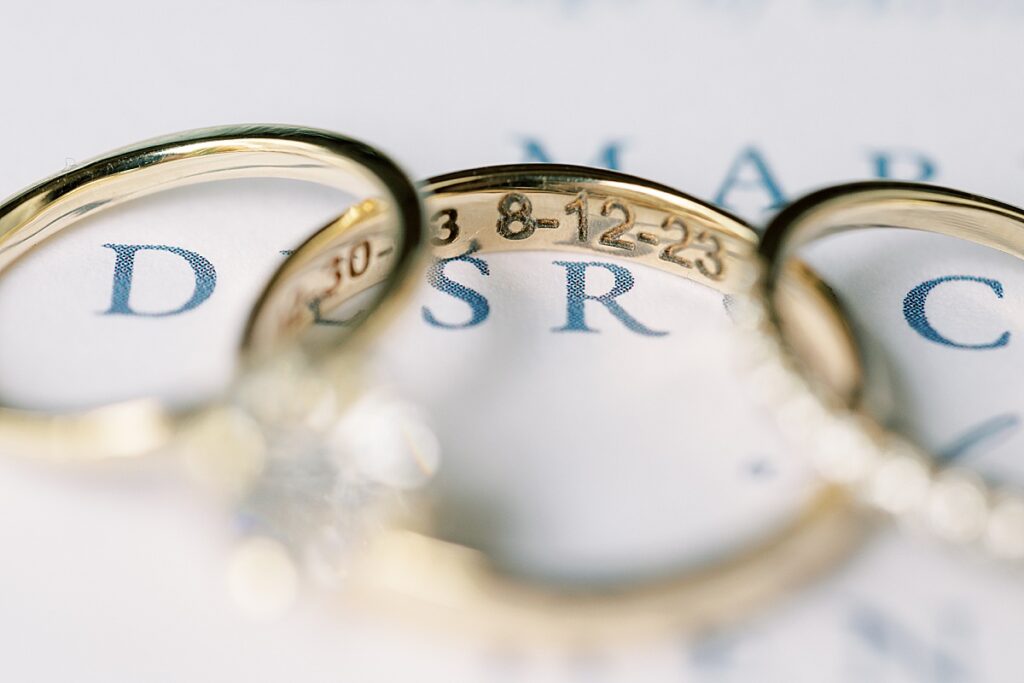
{"type": "Point", "coordinates": [117, 574]}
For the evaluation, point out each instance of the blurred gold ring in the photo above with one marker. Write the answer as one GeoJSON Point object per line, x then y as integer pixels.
{"type": "Point", "coordinates": [846, 445]}
{"type": "Point", "coordinates": [556, 207]}
{"type": "Point", "coordinates": [41, 211]}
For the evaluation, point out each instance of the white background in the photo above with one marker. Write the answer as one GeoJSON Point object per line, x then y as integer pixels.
{"type": "Point", "coordinates": [117, 574]}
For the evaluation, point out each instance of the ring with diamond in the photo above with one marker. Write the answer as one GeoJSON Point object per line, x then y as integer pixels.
{"type": "Point", "coordinates": [137, 426]}
{"type": "Point", "coordinates": [844, 443]}
{"type": "Point", "coordinates": [400, 561]}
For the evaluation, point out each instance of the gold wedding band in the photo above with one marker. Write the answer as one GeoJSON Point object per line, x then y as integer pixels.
{"type": "Point", "coordinates": [39, 212]}
{"type": "Point", "coordinates": [577, 209]}
{"type": "Point", "coordinates": [845, 444]}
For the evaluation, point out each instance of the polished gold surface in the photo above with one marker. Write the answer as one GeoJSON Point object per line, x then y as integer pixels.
{"type": "Point", "coordinates": [567, 208]}
{"type": "Point", "coordinates": [847, 444]}
{"type": "Point", "coordinates": [199, 156]}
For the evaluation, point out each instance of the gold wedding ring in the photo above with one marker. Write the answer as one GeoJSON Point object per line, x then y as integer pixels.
{"type": "Point", "coordinates": [845, 444]}
{"type": "Point", "coordinates": [584, 210]}
{"type": "Point", "coordinates": [41, 211]}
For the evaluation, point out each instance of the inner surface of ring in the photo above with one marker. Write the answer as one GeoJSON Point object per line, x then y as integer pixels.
{"type": "Point", "coordinates": [558, 209]}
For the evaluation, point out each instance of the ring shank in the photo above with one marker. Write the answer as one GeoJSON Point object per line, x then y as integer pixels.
{"type": "Point", "coordinates": [898, 205]}
{"type": "Point", "coordinates": [416, 572]}
{"type": "Point", "coordinates": [188, 158]}
{"type": "Point", "coordinates": [930, 489]}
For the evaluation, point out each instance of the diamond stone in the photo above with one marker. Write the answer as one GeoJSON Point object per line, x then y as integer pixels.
{"type": "Point", "coordinates": [844, 452]}
{"type": "Point", "coordinates": [900, 482]}
{"type": "Point", "coordinates": [957, 508]}
{"type": "Point", "coordinates": [321, 493]}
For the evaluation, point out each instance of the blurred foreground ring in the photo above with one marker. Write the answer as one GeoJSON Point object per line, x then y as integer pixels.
{"type": "Point", "coordinates": [405, 565]}
{"type": "Point", "coordinates": [138, 426]}
{"type": "Point", "coordinates": [846, 445]}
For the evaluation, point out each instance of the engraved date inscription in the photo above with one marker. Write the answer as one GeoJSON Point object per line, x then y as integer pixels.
{"type": "Point", "coordinates": [515, 208]}
{"type": "Point", "coordinates": [341, 269]}
{"type": "Point", "coordinates": [684, 246]}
